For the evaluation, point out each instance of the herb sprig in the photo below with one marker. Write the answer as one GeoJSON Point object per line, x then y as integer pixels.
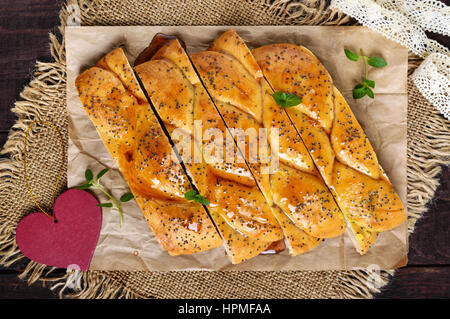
{"type": "Point", "coordinates": [365, 88]}
{"type": "Point", "coordinates": [286, 99]}
{"type": "Point", "coordinates": [196, 197]}
{"type": "Point", "coordinates": [95, 183]}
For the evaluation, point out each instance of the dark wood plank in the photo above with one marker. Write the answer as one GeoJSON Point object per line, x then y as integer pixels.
{"type": "Point", "coordinates": [18, 266]}
{"type": "Point", "coordinates": [24, 27]}
{"type": "Point", "coordinates": [3, 137]}
{"type": "Point", "coordinates": [418, 282]}
{"type": "Point", "coordinates": [442, 39]}
{"type": "Point", "coordinates": [12, 287]}
{"type": "Point", "coordinates": [429, 244]}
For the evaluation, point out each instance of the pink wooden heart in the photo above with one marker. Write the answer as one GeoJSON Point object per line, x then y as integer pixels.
{"type": "Point", "coordinates": [71, 241]}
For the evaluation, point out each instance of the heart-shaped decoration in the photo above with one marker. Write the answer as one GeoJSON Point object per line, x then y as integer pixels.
{"type": "Point", "coordinates": [71, 240]}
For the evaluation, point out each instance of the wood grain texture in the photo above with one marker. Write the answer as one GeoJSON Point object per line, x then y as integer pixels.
{"type": "Point", "coordinates": [3, 137]}
{"type": "Point", "coordinates": [24, 27]}
{"type": "Point", "coordinates": [418, 282]}
{"type": "Point", "coordinates": [12, 287]}
{"type": "Point", "coordinates": [24, 39]}
{"type": "Point", "coordinates": [430, 243]}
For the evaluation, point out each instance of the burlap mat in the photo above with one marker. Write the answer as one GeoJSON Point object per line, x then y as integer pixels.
{"type": "Point", "coordinates": [44, 99]}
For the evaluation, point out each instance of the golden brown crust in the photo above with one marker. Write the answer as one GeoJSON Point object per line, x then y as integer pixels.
{"type": "Point", "coordinates": [306, 76]}
{"type": "Point", "coordinates": [335, 140]}
{"type": "Point", "coordinates": [349, 142]}
{"type": "Point", "coordinates": [244, 99]}
{"type": "Point", "coordinates": [245, 210]}
{"type": "Point", "coordinates": [181, 227]}
{"type": "Point", "coordinates": [114, 62]}
{"type": "Point", "coordinates": [312, 136]}
{"type": "Point", "coordinates": [239, 124]}
{"type": "Point", "coordinates": [230, 43]}
{"type": "Point", "coordinates": [370, 203]}
{"type": "Point", "coordinates": [315, 212]}
{"type": "Point", "coordinates": [236, 205]}
{"type": "Point", "coordinates": [298, 240]}
{"type": "Point", "coordinates": [243, 90]}
{"type": "Point", "coordinates": [132, 135]}
{"type": "Point", "coordinates": [239, 248]}
{"type": "Point", "coordinates": [292, 152]}
{"type": "Point", "coordinates": [178, 96]}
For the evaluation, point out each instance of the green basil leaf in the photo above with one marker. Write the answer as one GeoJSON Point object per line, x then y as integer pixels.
{"type": "Point", "coordinates": [286, 99]}
{"type": "Point", "coordinates": [126, 197]}
{"type": "Point", "coordinates": [105, 205]}
{"type": "Point", "coordinates": [84, 186]}
{"type": "Point", "coordinates": [369, 92]}
{"type": "Point", "coordinates": [292, 100]}
{"type": "Point", "coordinates": [351, 55]}
{"type": "Point", "coordinates": [202, 200]}
{"type": "Point", "coordinates": [377, 62]}
{"type": "Point", "coordinates": [190, 195]}
{"type": "Point", "coordinates": [359, 91]}
{"type": "Point", "coordinates": [280, 98]}
{"type": "Point", "coordinates": [102, 172]}
{"type": "Point", "coordinates": [89, 175]}
{"type": "Point", "coordinates": [369, 83]}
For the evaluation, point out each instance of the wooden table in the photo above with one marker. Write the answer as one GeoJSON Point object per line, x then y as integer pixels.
{"type": "Point", "coordinates": [24, 39]}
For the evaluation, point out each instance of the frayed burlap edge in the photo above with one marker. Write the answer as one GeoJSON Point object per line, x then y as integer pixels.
{"type": "Point", "coordinates": [423, 165]}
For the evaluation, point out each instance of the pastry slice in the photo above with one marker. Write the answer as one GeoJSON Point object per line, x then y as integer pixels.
{"type": "Point", "coordinates": [236, 205]}
{"type": "Point", "coordinates": [335, 140]}
{"type": "Point", "coordinates": [243, 98]}
{"type": "Point", "coordinates": [113, 100]}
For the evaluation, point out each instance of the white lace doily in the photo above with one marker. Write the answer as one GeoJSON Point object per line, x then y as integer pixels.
{"type": "Point", "coordinates": [406, 21]}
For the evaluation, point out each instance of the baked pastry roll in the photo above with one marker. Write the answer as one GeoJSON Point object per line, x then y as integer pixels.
{"type": "Point", "coordinates": [335, 140]}
{"type": "Point", "coordinates": [113, 100]}
{"type": "Point", "coordinates": [237, 206]}
{"type": "Point", "coordinates": [243, 98]}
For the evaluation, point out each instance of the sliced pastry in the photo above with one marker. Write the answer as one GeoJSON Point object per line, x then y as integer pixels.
{"type": "Point", "coordinates": [237, 206]}
{"type": "Point", "coordinates": [113, 100]}
{"type": "Point", "coordinates": [293, 185]}
{"type": "Point", "coordinates": [334, 138]}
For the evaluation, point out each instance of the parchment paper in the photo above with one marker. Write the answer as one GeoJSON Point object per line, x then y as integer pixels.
{"type": "Point", "coordinates": [133, 247]}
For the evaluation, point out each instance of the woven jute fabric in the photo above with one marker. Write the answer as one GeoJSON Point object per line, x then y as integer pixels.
{"type": "Point", "coordinates": [44, 99]}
